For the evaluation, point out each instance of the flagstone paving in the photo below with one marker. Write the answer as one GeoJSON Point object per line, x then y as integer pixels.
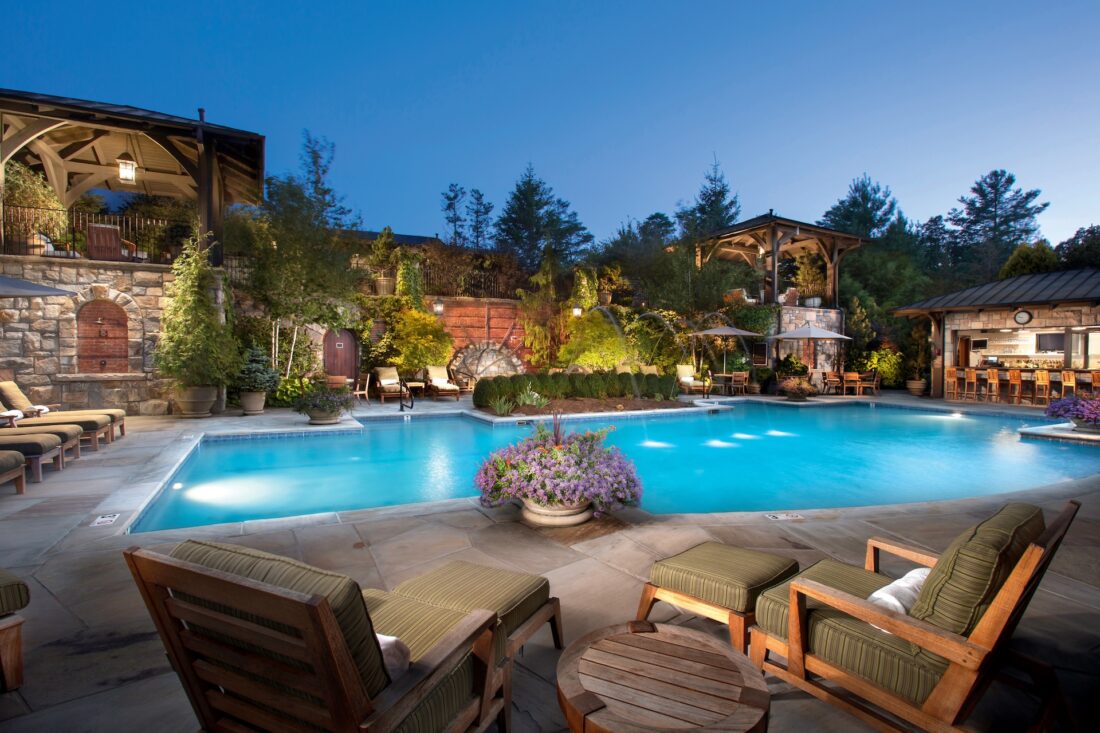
{"type": "Point", "coordinates": [94, 662]}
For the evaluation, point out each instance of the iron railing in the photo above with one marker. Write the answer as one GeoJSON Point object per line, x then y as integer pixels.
{"type": "Point", "coordinates": [470, 283]}
{"type": "Point", "coordinates": [61, 233]}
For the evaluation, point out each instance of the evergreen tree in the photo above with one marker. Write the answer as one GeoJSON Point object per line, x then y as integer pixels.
{"type": "Point", "coordinates": [866, 211]}
{"type": "Point", "coordinates": [714, 208]}
{"type": "Point", "coordinates": [452, 213]}
{"type": "Point", "coordinates": [993, 221]}
{"type": "Point", "coordinates": [478, 211]}
{"type": "Point", "coordinates": [656, 232]}
{"type": "Point", "coordinates": [534, 225]}
{"type": "Point", "coordinates": [1030, 259]}
{"type": "Point", "coordinates": [937, 246]}
{"type": "Point", "coordinates": [1082, 249]}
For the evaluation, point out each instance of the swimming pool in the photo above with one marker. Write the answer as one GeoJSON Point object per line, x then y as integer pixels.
{"type": "Point", "coordinates": [753, 457]}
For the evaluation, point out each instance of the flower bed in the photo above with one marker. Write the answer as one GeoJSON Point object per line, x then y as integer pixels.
{"type": "Point", "coordinates": [1084, 411]}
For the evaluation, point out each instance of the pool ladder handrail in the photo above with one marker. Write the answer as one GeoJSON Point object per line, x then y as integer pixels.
{"type": "Point", "coordinates": [401, 397]}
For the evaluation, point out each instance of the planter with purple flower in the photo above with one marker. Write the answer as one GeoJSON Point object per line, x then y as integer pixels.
{"type": "Point", "coordinates": [1083, 411]}
{"type": "Point", "coordinates": [561, 479]}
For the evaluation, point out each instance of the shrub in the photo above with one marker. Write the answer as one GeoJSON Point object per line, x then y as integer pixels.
{"type": "Point", "coordinates": [484, 392]}
{"type": "Point", "coordinates": [628, 383]}
{"type": "Point", "coordinates": [791, 366]}
{"type": "Point", "coordinates": [651, 386]}
{"type": "Point", "coordinates": [797, 387]}
{"type": "Point", "coordinates": [289, 390]}
{"type": "Point", "coordinates": [420, 340]}
{"type": "Point", "coordinates": [594, 342]}
{"type": "Point", "coordinates": [613, 385]}
{"type": "Point", "coordinates": [668, 387]}
{"type": "Point", "coordinates": [324, 399]}
{"type": "Point", "coordinates": [1085, 409]}
{"type": "Point", "coordinates": [561, 385]}
{"type": "Point", "coordinates": [887, 363]}
{"type": "Point", "coordinates": [502, 405]}
{"type": "Point", "coordinates": [256, 375]}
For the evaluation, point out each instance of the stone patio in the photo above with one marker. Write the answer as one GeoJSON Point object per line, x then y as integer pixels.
{"type": "Point", "coordinates": [94, 662]}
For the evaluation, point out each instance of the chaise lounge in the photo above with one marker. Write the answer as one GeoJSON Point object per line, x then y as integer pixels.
{"type": "Point", "coordinates": [388, 384]}
{"type": "Point", "coordinates": [35, 448]}
{"type": "Point", "coordinates": [13, 467]}
{"type": "Point", "coordinates": [13, 398]}
{"type": "Point", "coordinates": [439, 383]}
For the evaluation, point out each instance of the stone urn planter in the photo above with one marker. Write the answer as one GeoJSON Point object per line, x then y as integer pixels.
{"type": "Point", "coordinates": [916, 386]}
{"type": "Point", "coordinates": [556, 515]}
{"type": "Point", "coordinates": [253, 402]}
{"type": "Point", "coordinates": [813, 302]}
{"type": "Point", "coordinates": [1081, 426]}
{"type": "Point", "coordinates": [195, 401]}
{"type": "Point", "coordinates": [385, 285]}
{"type": "Point", "coordinates": [604, 297]}
{"type": "Point", "coordinates": [323, 417]}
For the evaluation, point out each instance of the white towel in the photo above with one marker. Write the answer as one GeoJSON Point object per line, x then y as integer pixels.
{"type": "Point", "coordinates": [16, 414]}
{"type": "Point", "coordinates": [395, 655]}
{"type": "Point", "coordinates": [42, 409]}
{"type": "Point", "coordinates": [901, 595]}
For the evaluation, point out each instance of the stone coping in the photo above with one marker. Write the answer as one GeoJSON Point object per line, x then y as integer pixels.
{"type": "Point", "coordinates": [81, 262]}
{"type": "Point", "coordinates": [104, 377]}
{"type": "Point", "coordinates": [1063, 432]}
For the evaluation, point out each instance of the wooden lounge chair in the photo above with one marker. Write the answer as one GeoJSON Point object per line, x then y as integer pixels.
{"type": "Point", "coordinates": [95, 427]}
{"type": "Point", "coordinates": [36, 449]}
{"type": "Point", "coordinates": [439, 383]}
{"type": "Point", "coordinates": [685, 375]}
{"type": "Point", "coordinates": [13, 467]}
{"type": "Point", "coordinates": [262, 642]}
{"type": "Point", "coordinates": [69, 435]}
{"type": "Point", "coordinates": [13, 399]}
{"type": "Point", "coordinates": [387, 383]}
{"type": "Point", "coordinates": [14, 597]}
{"type": "Point", "coordinates": [928, 668]}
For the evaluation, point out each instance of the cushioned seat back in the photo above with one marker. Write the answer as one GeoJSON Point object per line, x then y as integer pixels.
{"type": "Point", "coordinates": [343, 594]}
{"type": "Point", "coordinates": [14, 594]}
{"type": "Point", "coordinates": [13, 397]}
{"type": "Point", "coordinates": [973, 568]}
{"type": "Point", "coordinates": [685, 372]}
{"type": "Point", "coordinates": [438, 372]}
{"type": "Point", "coordinates": [386, 373]}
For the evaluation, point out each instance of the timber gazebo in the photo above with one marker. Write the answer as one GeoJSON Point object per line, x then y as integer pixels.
{"type": "Point", "coordinates": [80, 146]}
{"type": "Point", "coordinates": [769, 238]}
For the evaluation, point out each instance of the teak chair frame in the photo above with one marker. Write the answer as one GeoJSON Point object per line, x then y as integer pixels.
{"type": "Point", "coordinates": [974, 659]}
{"type": "Point", "coordinates": [193, 636]}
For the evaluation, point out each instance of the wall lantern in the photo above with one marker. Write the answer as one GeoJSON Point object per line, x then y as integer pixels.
{"type": "Point", "coordinates": [127, 168]}
{"type": "Point", "coordinates": [437, 306]}
{"type": "Point", "coordinates": [578, 311]}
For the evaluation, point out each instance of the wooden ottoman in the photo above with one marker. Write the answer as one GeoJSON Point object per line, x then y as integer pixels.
{"type": "Point", "coordinates": [641, 676]}
{"type": "Point", "coordinates": [718, 581]}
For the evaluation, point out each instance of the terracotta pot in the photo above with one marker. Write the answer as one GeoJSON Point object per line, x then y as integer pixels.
{"type": "Point", "coordinates": [556, 515]}
{"type": "Point", "coordinates": [915, 386]}
{"type": "Point", "coordinates": [323, 417]}
{"type": "Point", "coordinates": [253, 402]}
{"type": "Point", "coordinates": [336, 382]}
{"type": "Point", "coordinates": [195, 401]}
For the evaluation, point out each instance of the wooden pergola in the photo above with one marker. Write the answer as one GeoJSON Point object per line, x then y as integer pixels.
{"type": "Point", "coordinates": [764, 240]}
{"type": "Point", "coordinates": [77, 144]}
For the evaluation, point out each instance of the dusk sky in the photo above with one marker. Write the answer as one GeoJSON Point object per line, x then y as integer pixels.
{"type": "Point", "coordinates": [620, 106]}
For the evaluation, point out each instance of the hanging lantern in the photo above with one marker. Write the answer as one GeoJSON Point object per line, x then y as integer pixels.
{"type": "Point", "coordinates": [578, 311]}
{"type": "Point", "coordinates": [437, 306]}
{"type": "Point", "coordinates": [127, 168]}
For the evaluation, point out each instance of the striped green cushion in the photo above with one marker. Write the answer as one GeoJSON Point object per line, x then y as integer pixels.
{"type": "Point", "coordinates": [726, 576]}
{"type": "Point", "coordinates": [464, 586]}
{"type": "Point", "coordinates": [443, 703]}
{"type": "Point", "coordinates": [854, 645]}
{"type": "Point", "coordinates": [14, 594]}
{"type": "Point", "coordinates": [341, 591]}
{"type": "Point", "coordinates": [973, 568]}
{"type": "Point", "coordinates": [114, 413]}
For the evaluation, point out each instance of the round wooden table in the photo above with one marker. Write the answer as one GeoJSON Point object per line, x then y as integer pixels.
{"type": "Point", "coordinates": [641, 677]}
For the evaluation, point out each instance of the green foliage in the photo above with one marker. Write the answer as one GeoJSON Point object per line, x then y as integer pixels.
{"type": "Point", "coordinates": [502, 405]}
{"type": "Point", "coordinates": [865, 211]}
{"type": "Point", "coordinates": [810, 276]}
{"type": "Point", "coordinates": [584, 288]}
{"type": "Point", "coordinates": [887, 362]}
{"type": "Point", "coordinates": [858, 327]}
{"type": "Point", "coordinates": [196, 348]}
{"type": "Point", "coordinates": [656, 338]}
{"type": "Point", "coordinates": [1082, 249]}
{"type": "Point", "coordinates": [667, 386]}
{"type": "Point", "coordinates": [673, 282]}
{"type": "Point", "coordinates": [917, 350]}
{"type": "Point", "coordinates": [714, 207]}
{"type": "Point", "coordinates": [594, 343]}
{"type": "Point", "coordinates": [791, 366]}
{"type": "Point", "coordinates": [478, 211]}
{"type": "Point", "coordinates": [420, 340]}
{"type": "Point", "coordinates": [256, 375]}
{"type": "Point", "coordinates": [535, 225]}
{"type": "Point", "coordinates": [1030, 259]}
{"type": "Point", "coordinates": [323, 399]}
{"type": "Point", "coordinates": [24, 187]}
{"type": "Point", "coordinates": [289, 390]}
{"type": "Point", "coordinates": [652, 386]}
{"type": "Point", "coordinates": [542, 316]}
{"type": "Point", "coordinates": [452, 213]}
{"type": "Point", "coordinates": [410, 280]}
{"type": "Point", "coordinates": [531, 398]}
{"type": "Point", "coordinates": [383, 252]}
{"type": "Point", "coordinates": [518, 389]}
{"type": "Point", "coordinates": [484, 392]}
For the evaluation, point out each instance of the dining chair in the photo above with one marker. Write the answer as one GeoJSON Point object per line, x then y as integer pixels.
{"type": "Point", "coordinates": [950, 383]}
{"type": "Point", "coordinates": [1069, 381]}
{"type": "Point", "coordinates": [970, 385]}
{"type": "Point", "coordinates": [361, 391]}
{"type": "Point", "coordinates": [1041, 390]}
{"type": "Point", "coordinates": [993, 385]}
{"type": "Point", "coordinates": [852, 381]}
{"type": "Point", "coordinates": [832, 382]}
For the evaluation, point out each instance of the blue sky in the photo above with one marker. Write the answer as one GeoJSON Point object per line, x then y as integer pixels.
{"type": "Point", "coordinates": [620, 106]}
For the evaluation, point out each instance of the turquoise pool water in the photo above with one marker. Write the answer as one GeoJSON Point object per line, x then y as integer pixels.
{"type": "Point", "coordinates": [752, 457]}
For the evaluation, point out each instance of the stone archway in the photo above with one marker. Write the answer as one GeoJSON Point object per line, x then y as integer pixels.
{"type": "Point", "coordinates": [485, 359]}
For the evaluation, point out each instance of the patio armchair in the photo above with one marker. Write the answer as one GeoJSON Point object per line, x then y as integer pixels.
{"type": "Point", "coordinates": [439, 383]}
{"type": "Point", "coordinates": [832, 382]}
{"type": "Point", "coordinates": [685, 375]}
{"type": "Point", "coordinates": [105, 242]}
{"type": "Point", "coordinates": [361, 389]}
{"type": "Point", "coordinates": [869, 382]}
{"type": "Point", "coordinates": [13, 398]}
{"type": "Point", "coordinates": [929, 667]}
{"type": "Point", "coordinates": [14, 597]}
{"type": "Point", "coordinates": [852, 381]}
{"type": "Point", "coordinates": [388, 384]}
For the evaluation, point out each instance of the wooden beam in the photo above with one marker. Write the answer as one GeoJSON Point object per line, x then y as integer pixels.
{"type": "Point", "coordinates": [53, 165]}
{"type": "Point", "coordinates": [172, 149]}
{"type": "Point", "coordinates": [85, 184]}
{"type": "Point", "coordinates": [74, 149]}
{"type": "Point", "coordinates": [22, 134]}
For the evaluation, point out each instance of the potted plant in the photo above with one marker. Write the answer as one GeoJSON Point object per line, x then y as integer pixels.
{"type": "Point", "coordinates": [197, 348]}
{"type": "Point", "coordinates": [810, 280]}
{"type": "Point", "coordinates": [561, 479]}
{"type": "Point", "coordinates": [758, 376]}
{"type": "Point", "coordinates": [797, 389]}
{"type": "Point", "coordinates": [324, 405]}
{"type": "Point", "coordinates": [610, 282]}
{"type": "Point", "coordinates": [255, 380]}
{"type": "Point", "coordinates": [382, 258]}
{"type": "Point", "coordinates": [918, 365]}
{"type": "Point", "coordinates": [1083, 412]}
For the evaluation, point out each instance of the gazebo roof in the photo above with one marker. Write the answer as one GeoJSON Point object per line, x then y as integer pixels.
{"type": "Point", "coordinates": [76, 142]}
{"type": "Point", "coordinates": [750, 239]}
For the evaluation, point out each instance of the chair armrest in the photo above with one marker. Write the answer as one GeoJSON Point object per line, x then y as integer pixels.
{"type": "Point", "coordinates": [401, 697]}
{"type": "Point", "coordinates": [956, 649]}
{"type": "Point", "coordinates": [899, 549]}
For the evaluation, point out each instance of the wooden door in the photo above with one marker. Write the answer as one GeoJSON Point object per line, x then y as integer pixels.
{"type": "Point", "coordinates": [341, 354]}
{"type": "Point", "coordinates": [962, 355]}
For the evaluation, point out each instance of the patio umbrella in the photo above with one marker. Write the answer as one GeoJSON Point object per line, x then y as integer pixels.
{"type": "Point", "coordinates": [11, 287]}
{"type": "Point", "coordinates": [809, 333]}
{"type": "Point", "coordinates": [721, 331]}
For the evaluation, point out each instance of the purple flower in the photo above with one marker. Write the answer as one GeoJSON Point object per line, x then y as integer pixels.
{"type": "Point", "coordinates": [1085, 408]}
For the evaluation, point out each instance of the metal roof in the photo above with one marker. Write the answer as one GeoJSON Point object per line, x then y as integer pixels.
{"type": "Point", "coordinates": [772, 218]}
{"type": "Point", "coordinates": [1047, 288]}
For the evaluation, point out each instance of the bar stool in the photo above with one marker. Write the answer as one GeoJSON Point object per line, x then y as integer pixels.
{"type": "Point", "coordinates": [950, 383]}
{"type": "Point", "coordinates": [1095, 376]}
{"type": "Point", "coordinates": [1015, 386]}
{"type": "Point", "coordinates": [1069, 381]}
{"type": "Point", "coordinates": [993, 385]}
{"type": "Point", "coordinates": [1042, 387]}
{"type": "Point", "coordinates": [970, 385]}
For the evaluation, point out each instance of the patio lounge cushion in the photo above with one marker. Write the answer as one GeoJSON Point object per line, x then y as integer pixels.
{"type": "Point", "coordinates": [14, 594]}
{"type": "Point", "coordinates": [86, 422]}
{"type": "Point", "coordinates": [29, 445]}
{"type": "Point", "coordinates": [64, 432]}
{"type": "Point", "coordinates": [421, 626]}
{"type": "Point", "coordinates": [973, 568]}
{"type": "Point", "coordinates": [342, 592]}
{"type": "Point", "coordinates": [726, 576]}
{"type": "Point", "coordinates": [885, 659]}
{"type": "Point", "coordinates": [11, 460]}
{"type": "Point", "coordinates": [466, 587]}
{"type": "Point", "coordinates": [13, 397]}
{"type": "Point", "coordinates": [115, 414]}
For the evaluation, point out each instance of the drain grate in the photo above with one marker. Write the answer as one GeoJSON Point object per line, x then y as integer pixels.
{"type": "Point", "coordinates": [104, 520]}
{"type": "Point", "coordinates": [783, 516]}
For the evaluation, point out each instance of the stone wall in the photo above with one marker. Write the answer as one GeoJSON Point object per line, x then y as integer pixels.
{"type": "Point", "coordinates": [38, 336]}
{"type": "Point", "coordinates": [828, 353]}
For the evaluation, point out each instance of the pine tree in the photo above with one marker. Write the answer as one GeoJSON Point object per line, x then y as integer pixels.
{"type": "Point", "coordinates": [534, 225]}
{"type": "Point", "coordinates": [1082, 249]}
{"type": "Point", "coordinates": [714, 208]}
{"type": "Point", "coordinates": [993, 221]}
{"type": "Point", "coordinates": [1030, 259]}
{"type": "Point", "coordinates": [866, 211]}
{"type": "Point", "coordinates": [452, 213]}
{"type": "Point", "coordinates": [478, 211]}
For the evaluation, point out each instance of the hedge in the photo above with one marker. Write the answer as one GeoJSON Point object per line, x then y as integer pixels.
{"type": "Point", "coordinates": [563, 386]}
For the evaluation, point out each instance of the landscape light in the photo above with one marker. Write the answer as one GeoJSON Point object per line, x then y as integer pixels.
{"type": "Point", "coordinates": [437, 306]}
{"type": "Point", "coordinates": [578, 311]}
